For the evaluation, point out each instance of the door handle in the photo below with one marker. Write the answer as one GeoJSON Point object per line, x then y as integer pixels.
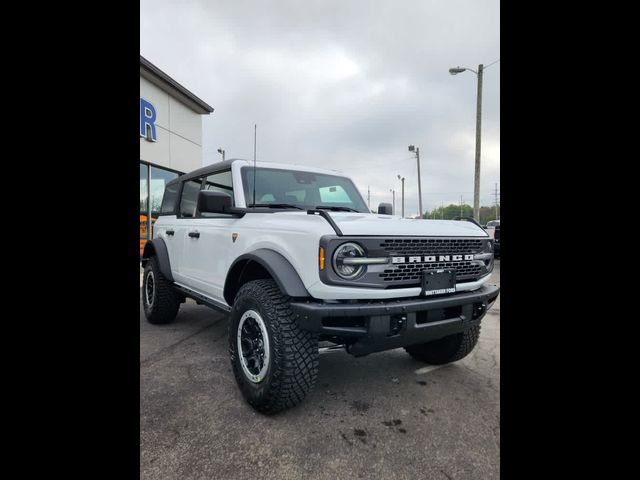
{"type": "Point", "coordinates": [170, 232]}
{"type": "Point", "coordinates": [194, 234]}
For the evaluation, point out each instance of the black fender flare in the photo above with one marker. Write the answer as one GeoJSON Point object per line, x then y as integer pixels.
{"type": "Point", "coordinates": [275, 264]}
{"type": "Point", "coordinates": [158, 248]}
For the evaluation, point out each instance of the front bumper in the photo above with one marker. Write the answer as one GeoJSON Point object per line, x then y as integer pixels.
{"type": "Point", "coordinates": [372, 326]}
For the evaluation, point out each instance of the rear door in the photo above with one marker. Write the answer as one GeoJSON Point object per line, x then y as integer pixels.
{"type": "Point", "coordinates": [165, 226]}
{"type": "Point", "coordinates": [183, 225]}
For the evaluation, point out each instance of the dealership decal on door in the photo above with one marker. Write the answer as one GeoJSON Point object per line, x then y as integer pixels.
{"type": "Point", "coordinates": [147, 120]}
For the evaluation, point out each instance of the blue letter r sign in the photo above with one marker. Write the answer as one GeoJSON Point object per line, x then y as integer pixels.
{"type": "Point", "coordinates": [147, 120]}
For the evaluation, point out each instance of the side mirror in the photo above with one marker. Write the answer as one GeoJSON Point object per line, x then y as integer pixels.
{"type": "Point", "coordinates": [385, 209]}
{"type": "Point", "coordinates": [213, 202]}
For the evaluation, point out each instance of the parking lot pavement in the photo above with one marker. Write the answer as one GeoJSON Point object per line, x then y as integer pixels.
{"type": "Point", "coordinates": [380, 416]}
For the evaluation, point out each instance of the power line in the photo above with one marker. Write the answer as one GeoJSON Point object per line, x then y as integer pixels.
{"type": "Point", "coordinates": [487, 66]}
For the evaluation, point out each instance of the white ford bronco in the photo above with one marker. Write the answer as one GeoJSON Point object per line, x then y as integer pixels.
{"type": "Point", "coordinates": [295, 257]}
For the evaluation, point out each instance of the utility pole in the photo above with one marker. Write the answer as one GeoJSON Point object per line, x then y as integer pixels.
{"type": "Point", "coordinates": [476, 183]}
{"type": "Point", "coordinates": [417, 150]}
{"type": "Point", "coordinates": [460, 206]}
{"type": "Point", "coordinates": [496, 200]}
{"type": "Point", "coordinates": [369, 197]}
{"type": "Point", "coordinates": [442, 209]}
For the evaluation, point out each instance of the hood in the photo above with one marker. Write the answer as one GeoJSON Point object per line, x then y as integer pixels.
{"type": "Point", "coordinates": [387, 225]}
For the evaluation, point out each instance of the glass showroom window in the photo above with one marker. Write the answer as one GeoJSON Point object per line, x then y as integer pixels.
{"type": "Point", "coordinates": [152, 183]}
{"type": "Point", "coordinates": [144, 205]}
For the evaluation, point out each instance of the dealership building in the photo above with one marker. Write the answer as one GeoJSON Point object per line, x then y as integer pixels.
{"type": "Point", "coordinates": [170, 138]}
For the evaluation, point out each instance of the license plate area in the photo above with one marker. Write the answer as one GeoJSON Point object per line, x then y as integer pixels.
{"type": "Point", "coordinates": [438, 282]}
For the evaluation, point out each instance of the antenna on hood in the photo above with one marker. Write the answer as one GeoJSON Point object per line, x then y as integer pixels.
{"type": "Point", "coordinates": [255, 134]}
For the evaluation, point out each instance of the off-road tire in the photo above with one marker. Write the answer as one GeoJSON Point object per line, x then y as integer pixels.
{"type": "Point", "coordinates": [165, 300]}
{"type": "Point", "coordinates": [446, 350]}
{"type": "Point", "coordinates": [293, 352]}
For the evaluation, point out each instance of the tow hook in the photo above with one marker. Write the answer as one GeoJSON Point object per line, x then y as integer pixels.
{"type": "Point", "coordinates": [479, 309]}
{"type": "Point", "coordinates": [397, 324]}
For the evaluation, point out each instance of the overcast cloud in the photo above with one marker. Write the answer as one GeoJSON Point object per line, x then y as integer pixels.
{"type": "Point", "coordinates": [343, 84]}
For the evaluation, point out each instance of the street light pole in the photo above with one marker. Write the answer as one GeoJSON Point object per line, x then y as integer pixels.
{"type": "Point", "coordinates": [476, 181]}
{"type": "Point", "coordinates": [417, 150]}
{"type": "Point", "coordinates": [402, 180]}
{"type": "Point", "coordinates": [394, 200]}
{"type": "Point", "coordinates": [221, 151]}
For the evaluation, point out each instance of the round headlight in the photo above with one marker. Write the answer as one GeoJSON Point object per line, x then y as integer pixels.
{"type": "Point", "coordinates": [344, 252]}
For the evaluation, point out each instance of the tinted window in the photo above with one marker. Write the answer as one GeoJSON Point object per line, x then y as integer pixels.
{"type": "Point", "coordinates": [303, 189]}
{"type": "Point", "coordinates": [189, 198]}
{"type": "Point", "coordinates": [169, 200]}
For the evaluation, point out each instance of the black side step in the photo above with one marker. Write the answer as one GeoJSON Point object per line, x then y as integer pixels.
{"type": "Point", "coordinates": [187, 292]}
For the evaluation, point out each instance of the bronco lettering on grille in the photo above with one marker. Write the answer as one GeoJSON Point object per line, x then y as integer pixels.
{"type": "Point", "coordinates": [431, 258]}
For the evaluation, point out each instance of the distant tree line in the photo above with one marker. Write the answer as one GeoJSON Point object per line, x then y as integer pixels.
{"type": "Point", "coordinates": [452, 210]}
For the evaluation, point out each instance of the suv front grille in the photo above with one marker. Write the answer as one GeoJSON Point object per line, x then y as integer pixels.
{"type": "Point", "coordinates": [409, 274]}
{"type": "Point", "coordinates": [413, 271]}
{"type": "Point", "coordinates": [431, 246]}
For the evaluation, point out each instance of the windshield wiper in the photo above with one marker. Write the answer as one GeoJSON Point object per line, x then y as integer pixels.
{"type": "Point", "coordinates": [275, 205]}
{"type": "Point", "coordinates": [337, 209]}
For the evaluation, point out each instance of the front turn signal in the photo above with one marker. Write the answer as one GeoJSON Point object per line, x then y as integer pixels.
{"type": "Point", "coordinates": [321, 258]}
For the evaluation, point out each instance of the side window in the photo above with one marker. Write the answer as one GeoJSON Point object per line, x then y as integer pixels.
{"type": "Point", "coordinates": [189, 198]}
{"type": "Point", "coordinates": [219, 182]}
{"type": "Point", "coordinates": [169, 199]}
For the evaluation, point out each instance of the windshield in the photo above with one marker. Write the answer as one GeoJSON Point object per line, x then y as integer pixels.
{"type": "Point", "coordinates": [301, 189]}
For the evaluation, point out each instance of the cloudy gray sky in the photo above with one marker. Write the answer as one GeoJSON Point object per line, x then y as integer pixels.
{"type": "Point", "coordinates": [345, 84]}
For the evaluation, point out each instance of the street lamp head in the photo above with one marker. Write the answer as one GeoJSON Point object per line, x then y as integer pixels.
{"type": "Point", "coordinates": [220, 150]}
{"type": "Point", "coordinates": [455, 71]}
{"type": "Point", "coordinates": [412, 148]}
{"type": "Point", "coordinates": [399, 178]}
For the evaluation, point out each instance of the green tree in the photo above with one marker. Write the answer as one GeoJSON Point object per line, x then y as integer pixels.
{"type": "Point", "coordinates": [452, 210]}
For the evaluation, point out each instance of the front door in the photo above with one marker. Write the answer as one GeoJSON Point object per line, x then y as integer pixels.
{"type": "Point", "coordinates": [208, 243]}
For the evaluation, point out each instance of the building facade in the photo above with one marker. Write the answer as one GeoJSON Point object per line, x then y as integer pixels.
{"type": "Point", "coordinates": [170, 138]}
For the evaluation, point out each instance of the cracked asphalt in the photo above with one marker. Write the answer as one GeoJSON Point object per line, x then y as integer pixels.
{"type": "Point", "coordinates": [380, 416]}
